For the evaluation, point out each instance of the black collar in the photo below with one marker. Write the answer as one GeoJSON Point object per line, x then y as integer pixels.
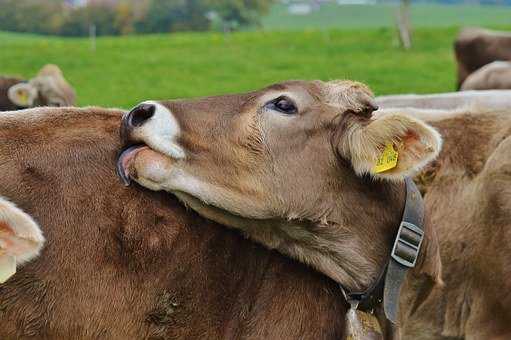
{"type": "Point", "coordinates": [404, 255]}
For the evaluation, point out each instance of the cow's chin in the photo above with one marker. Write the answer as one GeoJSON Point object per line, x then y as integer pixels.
{"type": "Point", "coordinates": [145, 166]}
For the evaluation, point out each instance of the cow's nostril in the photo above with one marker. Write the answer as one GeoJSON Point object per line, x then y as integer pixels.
{"type": "Point", "coordinates": [140, 114]}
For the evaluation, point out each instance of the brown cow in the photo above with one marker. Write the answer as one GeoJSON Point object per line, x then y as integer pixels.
{"type": "Point", "coordinates": [292, 166]}
{"type": "Point", "coordinates": [476, 47]}
{"type": "Point", "coordinates": [126, 263]}
{"type": "Point", "coordinates": [48, 88]}
{"type": "Point", "coordinates": [495, 75]}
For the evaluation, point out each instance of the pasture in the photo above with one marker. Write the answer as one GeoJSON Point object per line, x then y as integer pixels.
{"type": "Point", "coordinates": [356, 42]}
{"type": "Point", "coordinates": [125, 70]}
{"type": "Point", "coordinates": [330, 15]}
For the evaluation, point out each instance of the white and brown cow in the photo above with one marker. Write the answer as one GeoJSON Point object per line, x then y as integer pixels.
{"type": "Point", "coordinates": [495, 75]}
{"type": "Point", "coordinates": [476, 47]}
{"type": "Point", "coordinates": [292, 167]}
{"type": "Point", "coordinates": [47, 88]}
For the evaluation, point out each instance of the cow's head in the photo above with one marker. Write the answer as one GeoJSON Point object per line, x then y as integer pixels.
{"type": "Point", "coordinates": [292, 165]}
{"type": "Point", "coordinates": [48, 88]}
{"type": "Point", "coordinates": [21, 239]}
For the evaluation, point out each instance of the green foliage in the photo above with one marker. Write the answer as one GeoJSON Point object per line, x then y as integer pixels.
{"type": "Point", "coordinates": [126, 16]}
{"type": "Point", "coordinates": [174, 15]}
{"type": "Point", "coordinates": [242, 11]}
{"type": "Point", "coordinates": [79, 21]}
{"type": "Point", "coordinates": [30, 15]}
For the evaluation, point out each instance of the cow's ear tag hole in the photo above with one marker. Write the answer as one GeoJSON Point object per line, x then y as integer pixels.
{"type": "Point", "coordinates": [7, 267]}
{"type": "Point", "coordinates": [387, 159]}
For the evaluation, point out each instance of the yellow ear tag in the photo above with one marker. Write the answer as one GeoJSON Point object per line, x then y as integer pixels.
{"type": "Point", "coordinates": [387, 160]}
{"type": "Point", "coordinates": [7, 267]}
{"type": "Point", "coordinates": [22, 97]}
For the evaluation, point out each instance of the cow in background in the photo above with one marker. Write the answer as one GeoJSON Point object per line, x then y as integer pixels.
{"type": "Point", "coordinates": [476, 47]}
{"type": "Point", "coordinates": [495, 75]}
{"type": "Point", "coordinates": [48, 88]}
{"type": "Point", "coordinates": [488, 99]}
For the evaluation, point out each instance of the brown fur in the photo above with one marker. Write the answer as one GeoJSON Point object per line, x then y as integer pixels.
{"type": "Point", "coordinates": [476, 47]}
{"type": "Point", "coordinates": [469, 203]}
{"type": "Point", "coordinates": [126, 263]}
{"type": "Point", "coordinates": [294, 193]}
{"type": "Point", "coordinates": [5, 84]}
{"type": "Point", "coordinates": [495, 75]}
{"type": "Point", "coordinates": [466, 190]}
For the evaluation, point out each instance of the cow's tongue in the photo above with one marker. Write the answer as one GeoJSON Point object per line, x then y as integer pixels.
{"type": "Point", "coordinates": [123, 161]}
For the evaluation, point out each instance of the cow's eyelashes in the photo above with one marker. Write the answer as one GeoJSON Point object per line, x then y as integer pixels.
{"type": "Point", "coordinates": [282, 104]}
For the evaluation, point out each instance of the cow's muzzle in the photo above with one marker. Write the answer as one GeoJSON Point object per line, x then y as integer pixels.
{"type": "Point", "coordinates": [136, 118]}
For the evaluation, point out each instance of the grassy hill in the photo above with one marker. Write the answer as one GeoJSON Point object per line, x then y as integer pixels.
{"type": "Point", "coordinates": [331, 15]}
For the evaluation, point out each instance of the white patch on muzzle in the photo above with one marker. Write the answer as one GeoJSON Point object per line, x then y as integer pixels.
{"type": "Point", "coordinates": [161, 132]}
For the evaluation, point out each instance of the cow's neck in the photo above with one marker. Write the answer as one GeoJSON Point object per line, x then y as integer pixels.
{"type": "Point", "coordinates": [354, 259]}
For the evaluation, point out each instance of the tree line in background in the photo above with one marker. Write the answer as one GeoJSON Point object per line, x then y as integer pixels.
{"type": "Point", "coordinates": [118, 17]}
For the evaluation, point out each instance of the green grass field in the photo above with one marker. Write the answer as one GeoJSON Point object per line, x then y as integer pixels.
{"type": "Point", "coordinates": [331, 16]}
{"type": "Point", "coordinates": [126, 70]}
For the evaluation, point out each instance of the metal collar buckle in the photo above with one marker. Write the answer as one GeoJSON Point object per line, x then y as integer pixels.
{"type": "Point", "coordinates": [407, 244]}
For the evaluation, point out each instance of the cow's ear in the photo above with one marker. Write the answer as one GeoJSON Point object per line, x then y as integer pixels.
{"type": "Point", "coordinates": [347, 95]}
{"type": "Point", "coordinates": [391, 147]}
{"type": "Point", "coordinates": [22, 94]}
{"type": "Point", "coordinates": [21, 239]}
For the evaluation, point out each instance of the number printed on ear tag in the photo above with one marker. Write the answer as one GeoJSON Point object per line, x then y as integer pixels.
{"type": "Point", "coordinates": [7, 267]}
{"type": "Point", "coordinates": [387, 160]}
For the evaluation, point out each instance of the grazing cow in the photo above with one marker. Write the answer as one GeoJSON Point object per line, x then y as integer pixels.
{"type": "Point", "coordinates": [293, 167]}
{"type": "Point", "coordinates": [476, 47]}
{"type": "Point", "coordinates": [126, 263]}
{"type": "Point", "coordinates": [488, 99]}
{"type": "Point", "coordinates": [495, 75]}
{"type": "Point", "coordinates": [20, 239]}
{"type": "Point", "coordinates": [48, 88]}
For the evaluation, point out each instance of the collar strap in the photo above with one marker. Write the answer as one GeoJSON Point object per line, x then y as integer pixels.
{"type": "Point", "coordinates": [405, 252]}
{"type": "Point", "coordinates": [406, 249]}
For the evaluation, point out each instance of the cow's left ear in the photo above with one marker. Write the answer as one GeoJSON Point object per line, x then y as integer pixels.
{"type": "Point", "coordinates": [21, 238]}
{"type": "Point", "coordinates": [391, 147]}
{"type": "Point", "coordinates": [22, 94]}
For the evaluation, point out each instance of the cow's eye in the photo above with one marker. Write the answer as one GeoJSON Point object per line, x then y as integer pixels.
{"type": "Point", "coordinates": [283, 104]}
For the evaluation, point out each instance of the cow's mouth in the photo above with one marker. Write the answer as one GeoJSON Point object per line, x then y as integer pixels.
{"type": "Point", "coordinates": [124, 160]}
{"type": "Point", "coordinates": [144, 165]}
